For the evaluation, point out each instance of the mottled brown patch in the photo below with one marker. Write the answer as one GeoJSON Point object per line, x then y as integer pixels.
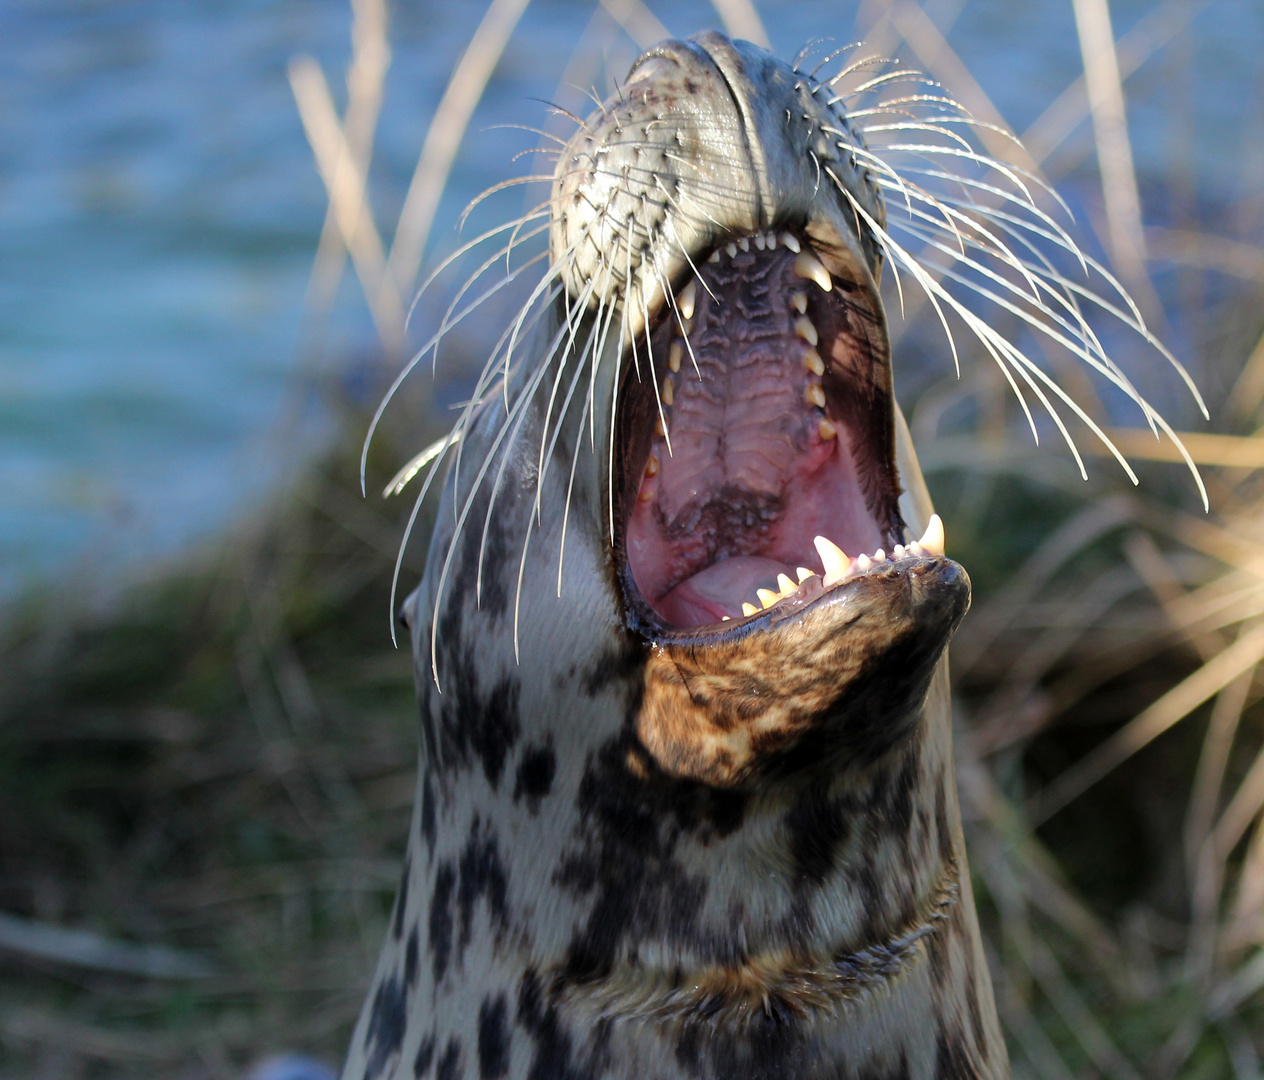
{"type": "Point", "coordinates": [860, 657]}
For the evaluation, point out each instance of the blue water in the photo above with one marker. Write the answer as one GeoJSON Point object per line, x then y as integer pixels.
{"type": "Point", "coordinates": [159, 210]}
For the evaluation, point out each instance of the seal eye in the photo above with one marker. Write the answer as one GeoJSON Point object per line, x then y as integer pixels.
{"type": "Point", "coordinates": [756, 418]}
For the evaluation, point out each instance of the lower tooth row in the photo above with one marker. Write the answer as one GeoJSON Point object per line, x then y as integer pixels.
{"type": "Point", "coordinates": [838, 566]}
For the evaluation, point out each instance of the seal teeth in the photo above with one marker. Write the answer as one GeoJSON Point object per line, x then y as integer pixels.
{"type": "Point", "coordinates": [898, 552]}
{"type": "Point", "coordinates": [688, 297]}
{"type": "Point", "coordinates": [714, 257]}
{"type": "Point", "coordinates": [804, 328]}
{"type": "Point", "coordinates": [799, 301]}
{"type": "Point", "coordinates": [787, 587]}
{"type": "Point", "coordinates": [933, 538]}
{"type": "Point", "coordinates": [669, 396]}
{"type": "Point", "coordinates": [675, 354]}
{"type": "Point", "coordinates": [814, 395]}
{"type": "Point", "coordinates": [826, 430]}
{"type": "Point", "coordinates": [809, 266]}
{"type": "Point", "coordinates": [791, 241]}
{"type": "Point", "coordinates": [833, 559]}
{"type": "Point", "coordinates": [759, 241]}
{"type": "Point", "coordinates": [731, 249]}
{"type": "Point", "coordinates": [767, 597]}
{"type": "Point", "coordinates": [863, 562]}
{"type": "Point", "coordinates": [749, 609]}
{"type": "Point", "coordinates": [813, 362]}
{"type": "Point", "coordinates": [770, 241]}
{"type": "Point", "coordinates": [804, 573]}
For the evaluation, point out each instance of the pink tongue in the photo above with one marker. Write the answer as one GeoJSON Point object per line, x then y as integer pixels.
{"type": "Point", "coordinates": [719, 590]}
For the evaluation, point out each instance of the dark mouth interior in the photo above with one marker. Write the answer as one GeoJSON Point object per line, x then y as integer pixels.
{"type": "Point", "coordinates": [755, 418]}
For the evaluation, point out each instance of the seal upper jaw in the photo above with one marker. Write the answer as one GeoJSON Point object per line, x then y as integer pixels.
{"type": "Point", "coordinates": [757, 415]}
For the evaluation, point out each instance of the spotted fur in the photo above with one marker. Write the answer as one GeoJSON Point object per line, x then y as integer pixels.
{"type": "Point", "coordinates": [633, 858]}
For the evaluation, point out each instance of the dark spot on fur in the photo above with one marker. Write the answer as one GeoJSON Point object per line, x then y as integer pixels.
{"type": "Point", "coordinates": [621, 663]}
{"type": "Point", "coordinates": [554, 1055]}
{"type": "Point", "coordinates": [493, 579]}
{"type": "Point", "coordinates": [450, 1063]}
{"type": "Point", "coordinates": [482, 876]}
{"type": "Point", "coordinates": [493, 1038]}
{"type": "Point", "coordinates": [474, 725]}
{"type": "Point", "coordinates": [953, 1058]}
{"type": "Point", "coordinates": [535, 775]}
{"type": "Point", "coordinates": [441, 920]}
{"type": "Point", "coordinates": [771, 1048]}
{"type": "Point", "coordinates": [387, 1020]}
{"type": "Point", "coordinates": [401, 901]}
{"type": "Point", "coordinates": [428, 832]}
{"type": "Point", "coordinates": [625, 861]}
{"type": "Point", "coordinates": [817, 827]}
{"type": "Point", "coordinates": [412, 953]}
{"type": "Point", "coordinates": [425, 1055]}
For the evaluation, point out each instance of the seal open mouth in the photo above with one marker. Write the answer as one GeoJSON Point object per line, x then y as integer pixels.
{"type": "Point", "coordinates": [759, 464]}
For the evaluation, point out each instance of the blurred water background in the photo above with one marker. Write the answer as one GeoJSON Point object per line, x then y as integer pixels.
{"type": "Point", "coordinates": [159, 210]}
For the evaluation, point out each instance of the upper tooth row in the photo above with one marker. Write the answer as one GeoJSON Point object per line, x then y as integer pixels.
{"type": "Point", "coordinates": [838, 566]}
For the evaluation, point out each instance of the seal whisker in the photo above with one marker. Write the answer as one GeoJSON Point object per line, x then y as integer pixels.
{"type": "Point", "coordinates": [433, 342]}
{"type": "Point", "coordinates": [918, 126]}
{"type": "Point", "coordinates": [1092, 357]}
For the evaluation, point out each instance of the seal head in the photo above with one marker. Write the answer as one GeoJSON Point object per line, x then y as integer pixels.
{"type": "Point", "coordinates": [685, 799]}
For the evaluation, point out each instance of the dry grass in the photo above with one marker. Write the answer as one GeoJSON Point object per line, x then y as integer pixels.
{"type": "Point", "coordinates": [220, 764]}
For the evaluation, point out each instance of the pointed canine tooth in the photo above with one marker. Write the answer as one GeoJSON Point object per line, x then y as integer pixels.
{"type": "Point", "coordinates": [688, 296]}
{"type": "Point", "coordinates": [799, 301]}
{"type": "Point", "coordinates": [826, 430]}
{"type": "Point", "coordinates": [863, 562]}
{"type": "Point", "coordinates": [809, 266]}
{"type": "Point", "coordinates": [933, 538]}
{"type": "Point", "coordinates": [674, 355]}
{"type": "Point", "coordinates": [731, 249]}
{"type": "Point", "coordinates": [879, 556]}
{"type": "Point", "coordinates": [759, 241]}
{"type": "Point", "coordinates": [813, 362]}
{"type": "Point", "coordinates": [669, 395]}
{"type": "Point", "coordinates": [804, 573]}
{"type": "Point", "coordinates": [898, 551]}
{"type": "Point", "coordinates": [786, 586]}
{"type": "Point", "coordinates": [651, 466]}
{"type": "Point", "coordinates": [814, 395]}
{"type": "Point", "coordinates": [833, 559]}
{"type": "Point", "coordinates": [749, 609]}
{"type": "Point", "coordinates": [767, 597]}
{"type": "Point", "coordinates": [804, 328]}
{"type": "Point", "coordinates": [791, 241]}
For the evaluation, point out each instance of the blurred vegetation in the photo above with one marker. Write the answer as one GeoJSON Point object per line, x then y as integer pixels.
{"type": "Point", "coordinates": [218, 762]}
{"type": "Point", "coordinates": [221, 761]}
